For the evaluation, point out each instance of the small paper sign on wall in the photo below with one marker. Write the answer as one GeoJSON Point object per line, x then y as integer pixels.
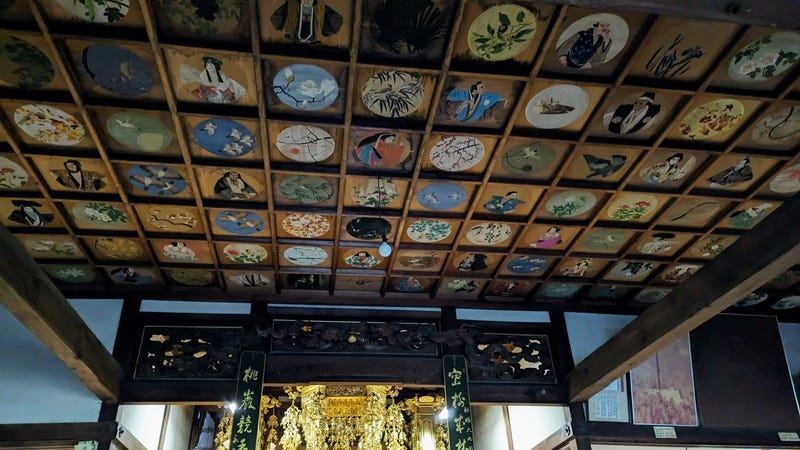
{"type": "Point", "coordinates": [250, 380]}
{"type": "Point", "coordinates": [456, 390]}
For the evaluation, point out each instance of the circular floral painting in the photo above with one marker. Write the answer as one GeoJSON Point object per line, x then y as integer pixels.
{"type": "Point", "coordinates": [242, 223]}
{"type": "Point", "coordinates": [72, 274]}
{"type": "Point", "coordinates": [361, 259]}
{"type": "Point", "coordinates": [118, 248]}
{"type": "Point", "coordinates": [305, 87]}
{"type": "Point", "coordinates": [556, 106]}
{"type": "Point", "coordinates": [409, 284]}
{"type": "Point", "coordinates": [22, 64]}
{"type": "Point", "coordinates": [632, 207]}
{"type": "Point", "coordinates": [117, 70]}
{"type": "Point", "coordinates": [98, 11]}
{"type": "Point", "coordinates": [711, 119]}
{"type": "Point", "coordinates": [528, 158]}
{"type": "Point", "coordinates": [306, 225]}
{"type": "Point", "coordinates": [99, 215]}
{"type": "Point", "coordinates": [765, 58]}
{"type": "Point", "coordinates": [375, 192]}
{"type": "Point", "coordinates": [306, 189]}
{"type": "Point", "coordinates": [457, 153]}
{"type": "Point", "coordinates": [489, 233]}
{"type": "Point", "coordinates": [501, 32]}
{"type": "Point", "coordinates": [192, 277]}
{"type": "Point", "coordinates": [305, 144]}
{"type": "Point", "coordinates": [442, 196]}
{"type": "Point", "coordinates": [224, 137]}
{"type": "Point", "coordinates": [429, 230]}
{"type": "Point", "coordinates": [526, 264]}
{"type": "Point", "coordinates": [139, 132]}
{"type": "Point", "coordinates": [368, 228]}
{"type": "Point", "coordinates": [245, 253]}
{"type": "Point", "coordinates": [49, 124]}
{"type": "Point", "coordinates": [12, 175]}
{"type": "Point", "coordinates": [781, 127]}
{"type": "Point", "coordinates": [392, 93]}
{"type": "Point", "coordinates": [570, 203]}
{"type": "Point", "coordinates": [305, 256]}
{"type": "Point", "coordinates": [603, 240]}
{"type": "Point", "coordinates": [592, 41]}
{"type": "Point", "coordinates": [787, 181]}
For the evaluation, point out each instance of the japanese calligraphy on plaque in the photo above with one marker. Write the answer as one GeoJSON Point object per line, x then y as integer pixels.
{"type": "Point", "coordinates": [456, 389]}
{"type": "Point", "coordinates": [244, 431]}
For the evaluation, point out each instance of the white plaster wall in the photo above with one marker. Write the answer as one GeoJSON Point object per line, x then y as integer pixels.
{"type": "Point", "coordinates": [178, 427]}
{"type": "Point", "coordinates": [143, 422]}
{"type": "Point", "coordinates": [489, 429]}
{"type": "Point", "coordinates": [36, 386]}
{"type": "Point", "coordinates": [587, 332]}
{"type": "Point", "coordinates": [531, 424]}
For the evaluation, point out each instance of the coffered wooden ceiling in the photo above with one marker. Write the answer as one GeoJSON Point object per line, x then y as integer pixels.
{"type": "Point", "coordinates": [511, 152]}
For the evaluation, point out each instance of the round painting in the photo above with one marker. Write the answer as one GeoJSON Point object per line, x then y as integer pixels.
{"type": "Point", "coordinates": [98, 11]}
{"type": "Point", "coordinates": [781, 127]}
{"type": "Point", "coordinates": [442, 196]}
{"type": "Point", "coordinates": [306, 225]}
{"type": "Point", "coordinates": [489, 233]}
{"type": "Point", "coordinates": [392, 94]}
{"type": "Point", "coordinates": [157, 180]}
{"type": "Point", "coordinates": [790, 302]}
{"type": "Point", "coordinates": [750, 299]}
{"type": "Point", "coordinates": [526, 264]}
{"type": "Point", "coordinates": [234, 185]}
{"type": "Point", "coordinates": [633, 114]}
{"type": "Point", "coordinates": [305, 87]}
{"type": "Point", "coordinates": [129, 275]}
{"type": "Point", "coordinates": [501, 32]}
{"type": "Point", "coordinates": [118, 248]}
{"type": "Point", "coordinates": [117, 70]}
{"type": "Point", "coordinates": [242, 223]}
{"type": "Point", "coordinates": [457, 153]}
{"type": "Point", "coordinates": [787, 181]}
{"type": "Point", "coordinates": [139, 132]}
{"type": "Point", "coordinates": [659, 243]}
{"type": "Point", "coordinates": [669, 170]}
{"type": "Point", "coordinates": [526, 159]}
{"type": "Point", "coordinates": [679, 272]}
{"type": "Point", "coordinates": [250, 279]}
{"type": "Point", "coordinates": [361, 259]}
{"type": "Point", "coordinates": [383, 150]}
{"type": "Point", "coordinates": [72, 274]}
{"type": "Point", "coordinates": [570, 203]}
{"type": "Point", "coordinates": [712, 246]}
{"type": "Point", "coordinates": [245, 253]}
{"type": "Point", "coordinates": [51, 247]}
{"type": "Point", "coordinates": [208, 19]}
{"type": "Point", "coordinates": [368, 228]}
{"type": "Point", "coordinates": [192, 277]}
{"type": "Point", "coordinates": [651, 295]}
{"type": "Point", "coordinates": [224, 137]}
{"type": "Point", "coordinates": [375, 192]}
{"type": "Point", "coordinates": [560, 290]}
{"type": "Point", "coordinates": [12, 175]}
{"type": "Point", "coordinates": [429, 230]}
{"type": "Point", "coordinates": [305, 144]}
{"type": "Point", "coordinates": [305, 256]}
{"type": "Point", "coordinates": [179, 251]}
{"type": "Point", "coordinates": [748, 217]}
{"type": "Point", "coordinates": [632, 207]}
{"type": "Point", "coordinates": [306, 189]}
{"type": "Point", "coordinates": [49, 124]}
{"type": "Point", "coordinates": [418, 260]}
{"type": "Point", "coordinates": [711, 119]}
{"type": "Point", "coordinates": [603, 240]}
{"type": "Point", "coordinates": [473, 262]}
{"type": "Point", "coordinates": [409, 284]}
{"type": "Point", "coordinates": [765, 58]}
{"type": "Point", "coordinates": [691, 213]}
{"type": "Point", "coordinates": [462, 286]}
{"type": "Point", "coordinates": [212, 79]}
{"type": "Point", "coordinates": [22, 64]}
{"type": "Point", "coordinates": [99, 215]}
{"type": "Point", "coordinates": [592, 41]}
{"type": "Point", "coordinates": [556, 106]}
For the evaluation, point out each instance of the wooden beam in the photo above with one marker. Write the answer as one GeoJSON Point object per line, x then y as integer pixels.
{"type": "Point", "coordinates": [40, 435]}
{"type": "Point", "coordinates": [27, 292]}
{"type": "Point", "coordinates": [757, 257]}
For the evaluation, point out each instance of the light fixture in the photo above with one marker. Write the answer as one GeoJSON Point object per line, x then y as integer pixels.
{"type": "Point", "coordinates": [232, 406]}
{"type": "Point", "coordinates": [385, 249]}
{"type": "Point", "coordinates": [443, 415]}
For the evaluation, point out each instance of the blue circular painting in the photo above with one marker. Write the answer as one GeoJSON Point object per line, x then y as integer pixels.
{"type": "Point", "coordinates": [409, 284]}
{"type": "Point", "coordinates": [224, 137]}
{"type": "Point", "coordinates": [243, 223]}
{"type": "Point", "coordinates": [527, 264]}
{"type": "Point", "coordinates": [157, 180]}
{"type": "Point", "coordinates": [305, 87]}
{"type": "Point", "coordinates": [117, 70]}
{"type": "Point", "coordinates": [442, 196]}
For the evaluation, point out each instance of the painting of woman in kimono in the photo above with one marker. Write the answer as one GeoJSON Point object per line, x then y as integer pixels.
{"type": "Point", "coordinates": [732, 175]}
{"type": "Point", "coordinates": [213, 85]}
{"type": "Point", "coordinates": [549, 239]}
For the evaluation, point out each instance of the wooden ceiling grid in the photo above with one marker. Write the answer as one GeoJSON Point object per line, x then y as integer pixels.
{"type": "Point", "coordinates": [612, 80]}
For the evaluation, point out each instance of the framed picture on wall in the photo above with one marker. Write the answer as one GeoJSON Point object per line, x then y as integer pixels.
{"type": "Point", "coordinates": [662, 388]}
{"type": "Point", "coordinates": [611, 404]}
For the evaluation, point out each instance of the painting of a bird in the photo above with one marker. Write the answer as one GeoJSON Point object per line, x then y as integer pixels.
{"type": "Point", "coordinates": [603, 167]}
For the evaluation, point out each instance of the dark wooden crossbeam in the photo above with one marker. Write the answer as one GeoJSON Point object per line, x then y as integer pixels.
{"type": "Point", "coordinates": [27, 292]}
{"type": "Point", "coordinates": [756, 258]}
{"type": "Point", "coordinates": [41, 435]}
